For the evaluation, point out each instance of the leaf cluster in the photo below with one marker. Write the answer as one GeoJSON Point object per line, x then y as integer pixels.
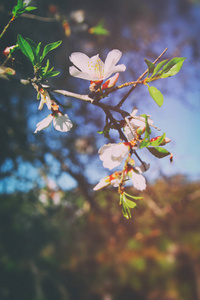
{"type": "Point", "coordinates": [153, 148]}
{"type": "Point", "coordinates": [21, 8]}
{"type": "Point", "coordinates": [164, 69]}
{"type": "Point", "coordinates": [99, 29]}
{"type": "Point", "coordinates": [32, 51]}
{"type": "Point", "coordinates": [127, 204]}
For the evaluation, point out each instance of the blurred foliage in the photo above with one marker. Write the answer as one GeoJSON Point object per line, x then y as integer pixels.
{"type": "Point", "coordinates": [70, 250]}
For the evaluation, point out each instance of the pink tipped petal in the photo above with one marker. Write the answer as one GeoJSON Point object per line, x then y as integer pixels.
{"type": "Point", "coordinates": [102, 183]}
{"type": "Point", "coordinates": [110, 82]}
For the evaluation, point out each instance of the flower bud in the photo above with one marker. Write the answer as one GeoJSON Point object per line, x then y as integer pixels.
{"type": "Point", "coordinates": [140, 130]}
{"type": "Point", "coordinates": [110, 82]}
{"type": "Point", "coordinates": [7, 71]}
{"type": "Point", "coordinates": [7, 50]}
{"type": "Point", "coordinates": [164, 142]}
{"type": "Point", "coordinates": [66, 27]}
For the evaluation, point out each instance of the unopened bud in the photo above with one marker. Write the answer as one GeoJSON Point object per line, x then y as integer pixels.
{"type": "Point", "coordinates": [164, 142]}
{"type": "Point", "coordinates": [110, 82]}
{"type": "Point", "coordinates": [7, 71]}
{"type": "Point", "coordinates": [140, 130]}
{"type": "Point", "coordinates": [67, 28]}
{"type": "Point", "coordinates": [6, 52]}
{"type": "Point", "coordinates": [171, 158]}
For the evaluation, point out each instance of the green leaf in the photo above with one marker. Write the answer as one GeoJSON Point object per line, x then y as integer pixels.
{"type": "Point", "coordinates": [144, 144]}
{"type": "Point", "coordinates": [30, 8]}
{"type": "Point", "coordinates": [158, 151]}
{"type": "Point", "coordinates": [133, 197]}
{"type": "Point", "coordinates": [44, 72]}
{"type": "Point", "coordinates": [130, 203]}
{"type": "Point", "coordinates": [158, 141]}
{"type": "Point", "coordinates": [126, 211]}
{"type": "Point", "coordinates": [37, 50]}
{"type": "Point", "coordinates": [20, 8]}
{"type": "Point", "coordinates": [17, 8]}
{"type": "Point", "coordinates": [26, 48]}
{"type": "Point", "coordinates": [172, 67]}
{"type": "Point", "coordinates": [99, 29]}
{"type": "Point", "coordinates": [106, 131]}
{"type": "Point", "coordinates": [146, 140]}
{"type": "Point", "coordinates": [49, 48]}
{"type": "Point", "coordinates": [156, 95]}
{"type": "Point", "coordinates": [51, 74]}
{"type": "Point", "coordinates": [150, 66]}
{"type": "Point", "coordinates": [158, 67]}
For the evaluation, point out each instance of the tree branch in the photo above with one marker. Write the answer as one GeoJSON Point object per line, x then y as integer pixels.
{"type": "Point", "coordinates": [138, 80]}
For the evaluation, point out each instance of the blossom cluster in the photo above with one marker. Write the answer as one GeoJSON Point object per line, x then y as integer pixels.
{"type": "Point", "coordinates": [60, 121]}
{"type": "Point", "coordinates": [92, 69]}
{"type": "Point", "coordinates": [113, 154]}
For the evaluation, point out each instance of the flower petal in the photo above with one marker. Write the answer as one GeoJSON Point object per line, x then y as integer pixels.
{"type": "Point", "coordinates": [138, 180]}
{"type": "Point", "coordinates": [102, 183]}
{"type": "Point", "coordinates": [143, 168]}
{"type": "Point", "coordinates": [113, 154]}
{"type": "Point", "coordinates": [112, 58]}
{"type": "Point", "coordinates": [44, 123]}
{"type": "Point", "coordinates": [80, 60]}
{"type": "Point", "coordinates": [76, 73]}
{"type": "Point", "coordinates": [62, 123]}
{"type": "Point", "coordinates": [96, 68]}
{"type": "Point", "coordinates": [115, 69]}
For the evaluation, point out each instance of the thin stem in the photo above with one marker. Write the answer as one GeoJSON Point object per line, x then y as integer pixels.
{"type": "Point", "coordinates": [138, 80]}
{"type": "Point", "coordinates": [133, 151]}
{"type": "Point", "coordinates": [109, 115]}
{"type": "Point", "coordinates": [120, 189]}
{"type": "Point", "coordinates": [74, 95]}
{"type": "Point", "coordinates": [6, 27]}
{"type": "Point", "coordinates": [122, 86]}
{"type": "Point", "coordinates": [62, 92]}
{"type": "Point", "coordinates": [38, 18]}
{"type": "Point", "coordinates": [6, 60]}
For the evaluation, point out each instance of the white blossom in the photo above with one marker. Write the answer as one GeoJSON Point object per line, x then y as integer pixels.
{"type": "Point", "coordinates": [138, 180]}
{"type": "Point", "coordinates": [44, 98]}
{"type": "Point", "coordinates": [113, 154]}
{"type": "Point", "coordinates": [108, 180]}
{"type": "Point", "coordinates": [93, 68]}
{"type": "Point", "coordinates": [137, 124]}
{"type": "Point", "coordinates": [61, 122]}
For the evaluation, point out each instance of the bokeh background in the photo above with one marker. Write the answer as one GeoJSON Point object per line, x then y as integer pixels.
{"type": "Point", "coordinates": [59, 239]}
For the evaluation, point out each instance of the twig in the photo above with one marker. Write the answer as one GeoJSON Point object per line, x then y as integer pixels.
{"type": "Point", "coordinates": [6, 27]}
{"type": "Point", "coordinates": [38, 18]}
{"type": "Point", "coordinates": [74, 95]}
{"type": "Point", "coordinates": [109, 115]}
{"type": "Point", "coordinates": [138, 80]}
{"type": "Point", "coordinates": [133, 151]}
